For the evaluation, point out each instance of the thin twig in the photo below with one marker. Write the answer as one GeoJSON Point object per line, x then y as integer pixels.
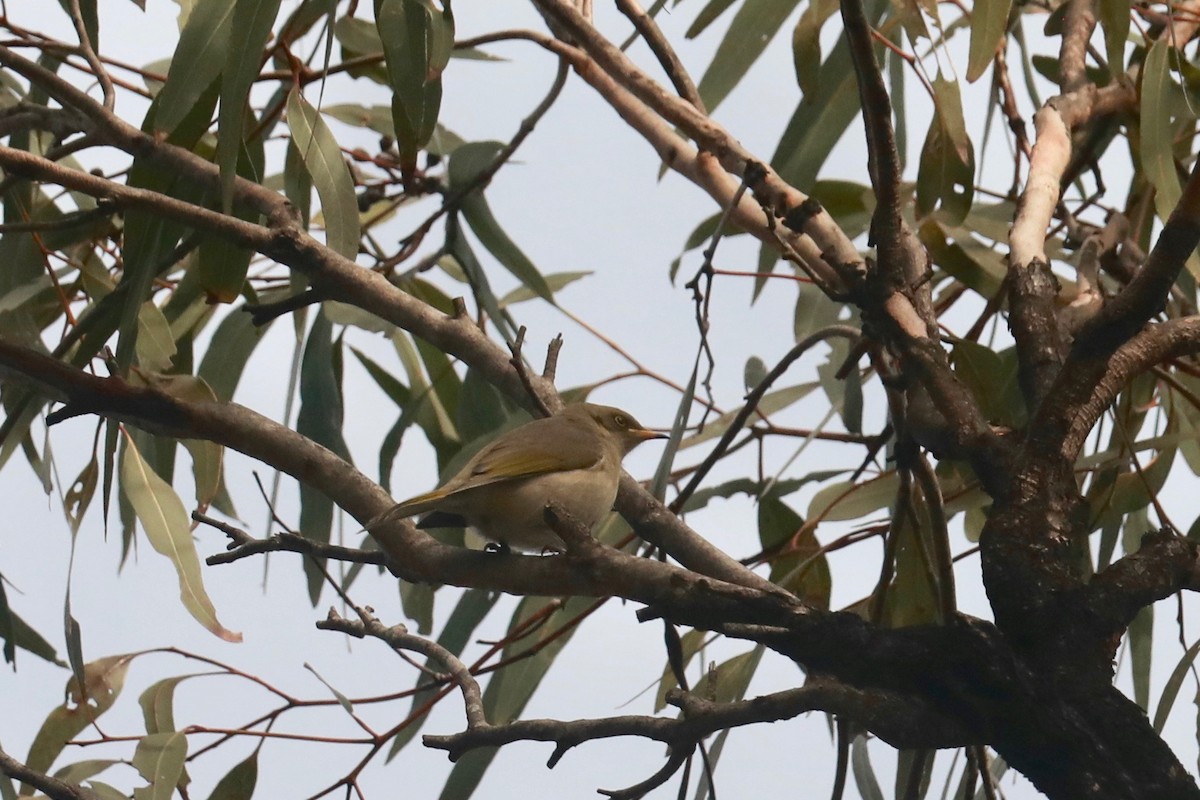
{"type": "Point", "coordinates": [752, 401]}
{"type": "Point", "coordinates": [663, 51]}
{"type": "Point", "coordinates": [86, 47]}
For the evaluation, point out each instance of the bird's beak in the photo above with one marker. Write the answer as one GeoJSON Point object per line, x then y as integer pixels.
{"type": "Point", "coordinates": [647, 435]}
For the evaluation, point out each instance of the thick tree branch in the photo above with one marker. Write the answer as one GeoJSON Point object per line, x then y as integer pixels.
{"type": "Point", "coordinates": [53, 787]}
{"type": "Point", "coordinates": [1032, 287]}
{"type": "Point", "coordinates": [1090, 385]}
{"type": "Point", "coordinates": [902, 260]}
{"type": "Point", "coordinates": [1145, 295]}
{"type": "Point", "coordinates": [772, 192]}
{"type": "Point", "coordinates": [1165, 563]}
{"type": "Point", "coordinates": [899, 722]}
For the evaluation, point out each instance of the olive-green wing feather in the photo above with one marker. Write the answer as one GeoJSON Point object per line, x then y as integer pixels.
{"type": "Point", "coordinates": [539, 447]}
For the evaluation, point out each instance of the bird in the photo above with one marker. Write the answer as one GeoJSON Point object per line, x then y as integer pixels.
{"type": "Point", "coordinates": [572, 459]}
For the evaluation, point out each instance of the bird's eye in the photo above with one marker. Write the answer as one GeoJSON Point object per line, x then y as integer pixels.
{"type": "Point", "coordinates": [621, 420]}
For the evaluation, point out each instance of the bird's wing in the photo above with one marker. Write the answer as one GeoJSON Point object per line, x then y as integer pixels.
{"type": "Point", "coordinates": [502, 461]}
{"type": "Point", "coordinates": [559, 446]}
{"type": "Point", "coordinates": [410, 507]}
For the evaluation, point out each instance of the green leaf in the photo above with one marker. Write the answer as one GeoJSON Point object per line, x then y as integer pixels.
{"type": "Point", "coordinates": [320, 419]}
{"type": "Point", "coordinates": [103, 680]}
{"type": "Point", "coordinates": [753, 373]}
{"type": "Point", "coordinates": [752, 28]}
{"type": "Point", "coordinates": [251, 28]}
{"type": "Point", "coordinates": [820, 119]}
{"type": "Point", "coordinates": [469, 161]}
{"type": "Point", "coordinates": [799, 566]}
{"type": "Point", "coordinates": [155, 345]}
{"type": "Point", "coordinates": [1171, 688]}
{"type": "Point", "coordinates": [1157, 139]}
{"type": "Point", "coordinates": [230, 348]}
{"type": "Point", "coordinates": [980, 269]}
{"type": "Point", "coordinates": [239, 782]}
{"type": "Point", "coordinates": [1141, 638]}
{"type": "Point", "coordinates": [417, 601]}
{"type": "Point", "coordinates": [17, 633]}
{"type": "Point", "coordinates": [479, 216]}
{"type": "Point", "coordinates": [80, 771]}
{"type": "Point", "coordinates": [342, 700]}
{"type": "Point", "coordinates": [159, 759]}
{"type": "Point", "coordinates": [202, 51]}
{"type": "Point", "coordinates": [912, 595]}
{"type": "Point", "coordinates": [725, 684]}
{"type": "Point", "coordinates": [165, 522]}
{"type": "Point", "coordinates": [221, 264]}
{"type": "Point", "coordinates": [335, 187]}
{"type": "Point", "coordinates": [690, 642]}
{"type": "Point", "coordinates": [104, 791]}
{"type": "Point", "coordinates": [992, 378]}
{"type": "Point", "coordinates": [417, 39]}
{"type": "Point", "coordinates": [946, 176]}
{"type": "Point", "coordinates": [806, 44]}
{"type": "Point", "coordinates": [555, 281]}
{"type": "Point", "coordinates": [1114, 19]}
{"type": "Point", "coordinates": [864, 775]}
{"type": "Point", "coordinates": [706, 17]}
{"type": "Point", "coordinates": [847, 500]}
{"type": "Point", "coordinates": [376, 118]}
{"type": "Point", "coordinates": [989, 22]}
{"type": "Point", "coordinates": [770, 403]}
{"type": "Point", "coordinates": [158, 704]}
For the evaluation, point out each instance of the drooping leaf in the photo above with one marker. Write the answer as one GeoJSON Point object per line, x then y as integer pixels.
{"type": "Point", "coordinates": [848, 500]}
{"type": "Point", "coordinates": [320, 419]}
{"type": "Point", "coordinates": [417, 39]}
{"type": "Point", "coordinates": [864, 774]}
{"type": "Point", "coordinates": [707, 16]}
{"type": "Point", "coordinates": [158, 704]}
{"type": "Point", "coordinates": [239, 782]}
{"type": "Point", "coordinates": [1158, 132]}
{"type": "Point", "coordinates": [199, 57]}
{"type": "Point", "coordinates": [946, 177]}
{"type": "Point", "coordinates": [806, 44]}
{"type": "Point", "coordinates": [690, 644]}
{"type": "Point", "coordinates": [478, 214]}
{"type": "Point", "coordinates": [1171, 688]}
{"type": "Point", "coordinates": [323, 158]}
{"type": "Point", "coordinates": [251, 28]}
{"type": "Point", "coordinates": [754, 25]}
{"type": "Point", "coordinates": [1114, 19]}
{"type": "Point", "coordinates": [229, 349]}
{"type": "Point", "coordinates": [16, 632]}
{"type": "Point", "coordinates": [992, 378]}
{"type": "Point", "coordinates": [554, 282]}
{"type": "Point", "coordinates": [159, 759]}
{"type": "Point", "coordinates": [979, 269]}
{"type": "Point", "coordinates": [798, 565]}
{"type": "Point", "coordinates": [165, 523]}
{"type": "Point", "coordinates": [86, 701]}
{"type": "Point", "coordinates": [989, 22]}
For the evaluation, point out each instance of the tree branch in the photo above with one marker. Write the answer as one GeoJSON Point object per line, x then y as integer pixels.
{"type": "Point", "coordinates": [53, 787]}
